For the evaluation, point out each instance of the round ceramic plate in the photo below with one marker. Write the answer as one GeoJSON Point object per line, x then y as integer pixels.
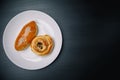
{"type": "Point", "coordinates": [26, 59]}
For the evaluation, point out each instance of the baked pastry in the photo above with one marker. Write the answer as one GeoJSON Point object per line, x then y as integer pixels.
{"type": "Point", "coordinates": [28, 32]}
{"type": "Point", "coordinates": [42, 45]}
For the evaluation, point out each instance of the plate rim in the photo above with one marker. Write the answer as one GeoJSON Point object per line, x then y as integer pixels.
{"type": "Point", "coordinates": [5, 29]}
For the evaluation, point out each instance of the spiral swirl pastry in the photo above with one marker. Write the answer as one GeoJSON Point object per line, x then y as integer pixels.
{"type": "Point", "coordinates": [42, 45]}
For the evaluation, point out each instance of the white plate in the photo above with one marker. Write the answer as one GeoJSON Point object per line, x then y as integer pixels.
{"type": "Point", "coordinates": [26, 59]}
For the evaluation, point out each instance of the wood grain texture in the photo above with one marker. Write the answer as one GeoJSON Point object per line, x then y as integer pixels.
{"type": "Point", "coordinates": [91, 34]}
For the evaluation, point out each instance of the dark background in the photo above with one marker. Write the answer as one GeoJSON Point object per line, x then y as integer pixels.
{"type": "Point", "coordinates": [91, 33]}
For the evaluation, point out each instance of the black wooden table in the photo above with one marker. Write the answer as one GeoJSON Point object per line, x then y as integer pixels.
{"type": "Point", "coordinates": [91, 38]}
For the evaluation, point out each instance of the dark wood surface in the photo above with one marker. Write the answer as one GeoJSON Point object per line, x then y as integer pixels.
{"type": "Point", "coordinates": [91, 34]}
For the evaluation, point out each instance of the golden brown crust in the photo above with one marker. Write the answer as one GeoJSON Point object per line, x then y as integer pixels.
{"type": "Point", "coordinates": [42, 45]}
{"type": "Point", "coordinates": [25, 36]}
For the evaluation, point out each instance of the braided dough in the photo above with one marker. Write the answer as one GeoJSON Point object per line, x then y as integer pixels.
{"type": "Point", "coordinates": [42, 45]}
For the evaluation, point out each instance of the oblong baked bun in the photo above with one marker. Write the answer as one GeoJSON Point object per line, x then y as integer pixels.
{"type": "Point", "coordinates": [28, 32]}
{"type": "Point", "coordinates": [42, 45]}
